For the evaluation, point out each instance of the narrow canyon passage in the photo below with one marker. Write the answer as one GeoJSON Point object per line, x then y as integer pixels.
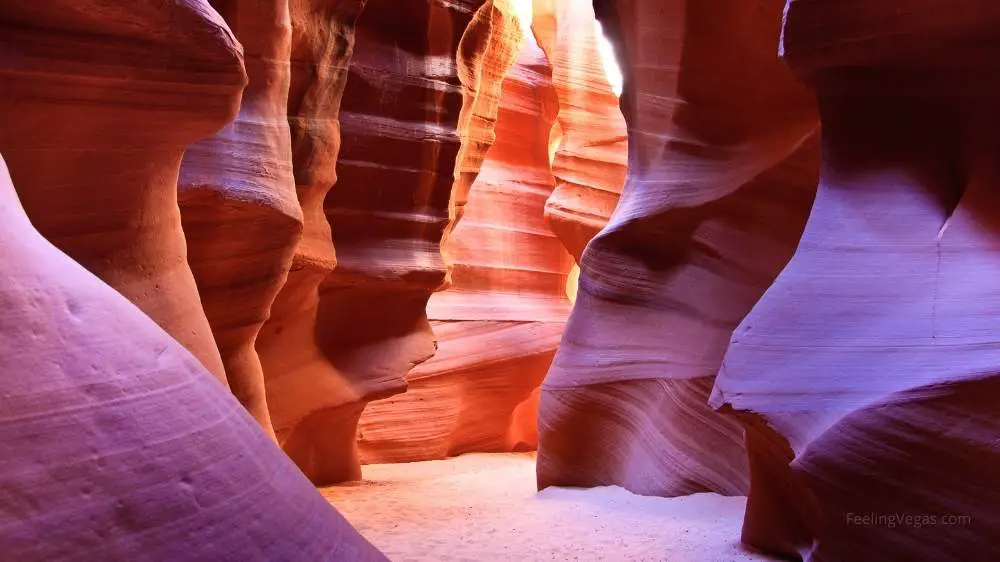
{"type": "Point", "coordinates": [434, 280]}
{"type": "Point", "coordinates": [540, 196]}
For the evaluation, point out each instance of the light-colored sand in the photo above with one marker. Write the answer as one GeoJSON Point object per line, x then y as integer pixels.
{"type": "Point", "coordinates": [484, 508]}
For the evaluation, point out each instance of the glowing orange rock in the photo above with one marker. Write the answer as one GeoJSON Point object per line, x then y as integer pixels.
{"type": "Point", "coordinates": [591, 146]}
{"type": "Point", "coordinates": [101, 183]}
{"type": "Point", "coordinates": [237, 196]}
{"type": "Point", "coordinates": [119, 443]}
{"type": "Point", "coordinates": [499, 322]}
{"type": "Point", "coordinates": [298, 379]}
{"type": "Point", "coordinates": [341, 337]}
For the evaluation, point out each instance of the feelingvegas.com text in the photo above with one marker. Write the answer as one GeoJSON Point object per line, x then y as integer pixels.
{"type": "Point", "coordinates": [903, 519]}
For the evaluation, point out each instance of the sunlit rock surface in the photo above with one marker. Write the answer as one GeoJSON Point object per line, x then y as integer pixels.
{"type": "Point", "coordinates": [589, 142]}
{"type": "Point", "coordinates": [722, 169]}
{"type": "Point", "coordinates": [499, 322]}
{"type": "Point", "coordinates": [348, 326]}
{"type": "Point", "coordinates": [178, 160]}
{"type": "Point", "coordinates": [301, 385]}
{"type": "Point", "coordinates": [240, 214]}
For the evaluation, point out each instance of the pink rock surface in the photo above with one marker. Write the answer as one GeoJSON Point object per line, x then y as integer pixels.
{"type": "Point", "coordinates": [866, 375]}
{"type": "Point", "coordinates": [101, 183]}
{"type": "Point", "coordinates": [721, 174]}
{"type": "Point", "coordinates": [592, 149]}
{"type": "Point", "coordinates": [240, 214]}
{"type": "Point", "coordinates": [499, 322]}
{"type": "Point", "coordinates": [119, 445]}
{"type": "Point", "coordinates": [862, 378]}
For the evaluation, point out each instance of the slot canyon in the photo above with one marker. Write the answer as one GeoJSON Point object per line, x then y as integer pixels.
{"type": "Point", "coordinates": [487, 280]}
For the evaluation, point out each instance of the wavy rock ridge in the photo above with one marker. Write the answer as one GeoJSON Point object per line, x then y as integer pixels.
{"type": "Point", "coordinates": [183, 169]}
{"type": "Point", "coordinates": [87, 482]}
{"type": "Point", "coordinates": [721, 172]}
{"type": "Point", "coordinates": [123, 445]}
{"type": "Point", "coordinates": [303, 344]}
{"type": "Point", "coordinates": [239, 211]}
{"type": "Point", "coordinates": [591, 141]}
{"type": "Point", "coordinates": [348, 326]}
{"type": "Point", "coordinates": [303, 390]}
{"type": "Point", "coordinates": [101, 184]}
{"type": "Point", "coordinates": [499, 321]}
{"type": "Point", "coordinates": [865, 376]}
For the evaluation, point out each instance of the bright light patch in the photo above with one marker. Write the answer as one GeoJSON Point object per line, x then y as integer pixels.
{"type": "Point", "coordinates": [608, 60]}
{"type": "Point", "coordinates": [573, 283]}
{"type": "Point", "coordinates": [555, 139]}
{"type": "Point", "coordinates": [524, 12]}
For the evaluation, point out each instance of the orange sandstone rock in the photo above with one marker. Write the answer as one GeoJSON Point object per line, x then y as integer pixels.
{"type": "Point", "coordinates": [342, 337]}
{"type": "Point", "coordinates": [499, 322]}
{"type": "Point", "coordinates": [302, 387]}
{"type": "Point", "coordinates": [99, 102]}
{"type": "Point", "coordinates": [486, 55]}
{"type": "Point", "coordinates": [119, 445]}
{"type": "Point", "coordinates": [592, 149]}
{"type": "Point", "coordinates": [241, 218]}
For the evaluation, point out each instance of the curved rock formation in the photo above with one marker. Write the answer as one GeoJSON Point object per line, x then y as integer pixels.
{"type": "Point", "coordinates": [866, 377]}
{"type": "Point", "coordinates": [499, 322]}
{"type": "Point", "coordinates": [721, 174]}
{"type": "Point", "coordinates": [119, 445]}
{"type": "Point", "coordinates": [486, 54]}
{"type": "Point", "coordinates": [101, 183]}
{"type": "Point", "coordinates": [342, 337]}
{"type": "Point", "coordinates": [400, 161]}
{"type": "Point", "coordinates": [237, 196]}
{"type": "Point", "coordinates": [299, 380]}
{"type": "Point", "coordinates": [590, 161]}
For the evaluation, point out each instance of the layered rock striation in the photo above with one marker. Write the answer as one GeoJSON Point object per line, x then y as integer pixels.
{"type": "Point", "coordinates": [590, 139]}
{"type": "Point", "coordinates": [302, 388]}
{"type": "Point", "coordinates": [101, 183]}
{"type": "Point", "coordinates": [722, 167]}
{"type": "Point", "coordinates": [119, 444]}
{"type": "Point", "coordinates": [239, 210]}
{"type": "Point", "coordinates": [350, 324]}
{"type": "Point", "coordinates": [499, 321]}
{"type": "Point", "coordinates": [866, 376]}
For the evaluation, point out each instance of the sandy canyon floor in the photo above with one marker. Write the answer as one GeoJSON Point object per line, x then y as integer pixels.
{"type": "Point", "coordinates": [484, 508]}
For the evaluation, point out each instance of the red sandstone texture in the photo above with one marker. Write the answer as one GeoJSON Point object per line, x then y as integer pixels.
{"type": "Point", "coordinates": [866, 377]}
{"type": "Point", "coordinates": [101, 182]}
{"type": "Point", "coordinates": [590, 139]}
{"type": "Point", "coordinates": [486, 54]}
{"type": "Point", "coordinates": [499, 322]}
{"type": "Point", "coordinates": [299, 380]}
{"type": "Point", "coordinates": [348, 327]}
{"type": "Point", "coordinates": [722, 167]}
{"type": "Point", "coordinates": [240, 214]}
{"type": "Point", "coordinates": [863, 377]}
